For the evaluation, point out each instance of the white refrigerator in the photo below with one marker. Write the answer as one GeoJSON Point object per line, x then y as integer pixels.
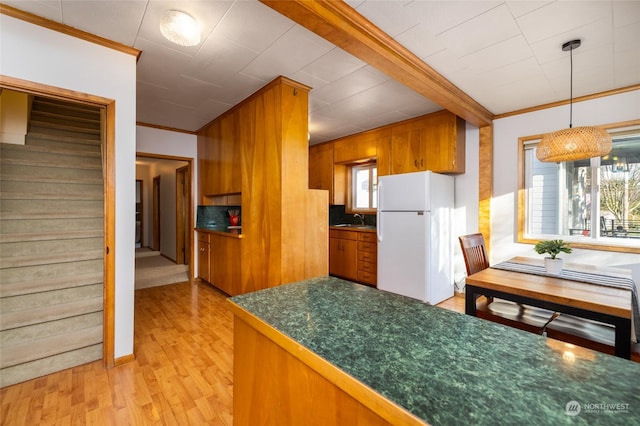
{"type": "Point", "coordinates": [415, 243]}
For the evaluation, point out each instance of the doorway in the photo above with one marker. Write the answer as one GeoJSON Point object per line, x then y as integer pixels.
{"type": "Point", "coordinates": [155, 245]}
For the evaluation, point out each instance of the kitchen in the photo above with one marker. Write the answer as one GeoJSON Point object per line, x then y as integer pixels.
{"type": "Point", "coordinates": [507, 129]}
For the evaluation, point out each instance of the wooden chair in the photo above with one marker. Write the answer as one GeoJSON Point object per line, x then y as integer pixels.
{"type": "Point", "coordinates": [474, 252]}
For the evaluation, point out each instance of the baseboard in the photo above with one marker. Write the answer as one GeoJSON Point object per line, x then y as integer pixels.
{"type": "Point", "coordinates": [124, 359]}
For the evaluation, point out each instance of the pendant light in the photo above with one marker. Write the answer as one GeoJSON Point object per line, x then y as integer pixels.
{"type": "Point", "coordinates": [574, 143]}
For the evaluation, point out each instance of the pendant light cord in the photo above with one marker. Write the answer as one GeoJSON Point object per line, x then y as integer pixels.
{"type": "Point", "coordinates": [571, 91]}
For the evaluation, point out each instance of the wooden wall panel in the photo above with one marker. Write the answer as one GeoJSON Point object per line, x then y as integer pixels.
{"type": "Point", "coordinates": [485, 184]}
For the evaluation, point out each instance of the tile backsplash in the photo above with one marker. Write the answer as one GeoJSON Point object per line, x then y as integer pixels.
{"type": "Point", "coordinates": [214, 216]}
{"type": "Point", "coordinates": [338, 215]}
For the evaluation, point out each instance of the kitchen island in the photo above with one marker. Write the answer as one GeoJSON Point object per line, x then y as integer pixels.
{"type": "Point", "coordinates": [328, 351]}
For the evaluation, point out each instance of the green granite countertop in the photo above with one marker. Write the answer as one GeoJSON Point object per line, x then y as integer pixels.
{"type": "Point", "coordinates": [445, 367]}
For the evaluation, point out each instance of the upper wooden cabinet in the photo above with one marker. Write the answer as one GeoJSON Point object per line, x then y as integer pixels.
{"type": "Point", "coordinates": [324, 174]}
{"type": "Point", "coordinates": [359, 147]}
{"type": "Point", "coordinates": [219, 155]}
{"type": "Point", "coordinates": [433, 142]}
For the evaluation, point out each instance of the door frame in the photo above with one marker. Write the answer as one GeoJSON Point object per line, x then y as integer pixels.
{"type": "Point", "coordinates": [183, 213]}
{"type": "Point", "coordinates": [156, 213]}
{"type": "Point", "coordinates": [189, 225]}
{"type": "Point", "coordinates": [141, 211]}
{"type": "Point", "coordinates": [108, 122]}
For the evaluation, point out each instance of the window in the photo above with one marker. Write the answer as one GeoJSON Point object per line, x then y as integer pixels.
{"type": "Point", "coordinates": [592, 201]}
{"type": "Point", "coordinates": [363, 180]}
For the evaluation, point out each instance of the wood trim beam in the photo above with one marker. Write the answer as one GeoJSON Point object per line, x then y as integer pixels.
{"type": "Point", "coordinates": [65, 29]}
{"type": "Point", "coordinates": [340, 24]}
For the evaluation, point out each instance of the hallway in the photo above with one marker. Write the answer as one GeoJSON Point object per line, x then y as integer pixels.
{"type": "Point", "coordinates": [152, 270]}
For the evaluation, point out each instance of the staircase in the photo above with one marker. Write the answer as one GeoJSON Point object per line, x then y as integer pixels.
{"type": "Point", "coordinates": [51, 243]}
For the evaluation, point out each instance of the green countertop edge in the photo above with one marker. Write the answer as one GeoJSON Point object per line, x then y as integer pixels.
{"type": "Point", "coordinates": [445, 367]}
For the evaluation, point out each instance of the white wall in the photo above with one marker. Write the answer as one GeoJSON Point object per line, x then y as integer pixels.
{"type": "Point", "coordinates": [40, 55]}
{"type": "Point", "coordinates": [611, 109]}
{"type": "Point", "coordinates": [466, 199]}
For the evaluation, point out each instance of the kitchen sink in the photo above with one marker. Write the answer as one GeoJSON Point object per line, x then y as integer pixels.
{"type": "Point", "coordinates": [352, 225]}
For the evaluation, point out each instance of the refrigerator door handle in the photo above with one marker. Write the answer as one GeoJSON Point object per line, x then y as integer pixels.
{"type": "Point", "coordinates": [378, 221]}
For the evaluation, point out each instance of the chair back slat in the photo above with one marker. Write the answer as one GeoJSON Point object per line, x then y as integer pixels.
{"type": "Point", "coordinates": [474, 252]}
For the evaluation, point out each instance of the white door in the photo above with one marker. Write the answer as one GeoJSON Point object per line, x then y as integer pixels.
{"type": "Point", "coordinates": [403, 245]}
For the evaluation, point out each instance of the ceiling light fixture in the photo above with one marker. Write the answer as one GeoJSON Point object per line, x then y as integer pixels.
{"type": "Point", "coordinates": [574, 143]}
{"type": "Point", "coordinates": [180, 28]}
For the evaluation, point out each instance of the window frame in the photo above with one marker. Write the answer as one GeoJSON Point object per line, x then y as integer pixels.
{"type": "Point", "coordinates": [576, 242]}
{"type": "Point", "coordinates": [350, 208]}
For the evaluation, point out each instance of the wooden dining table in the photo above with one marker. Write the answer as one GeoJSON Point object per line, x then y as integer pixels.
{"type": "Point", "coordinates": [582, 299]}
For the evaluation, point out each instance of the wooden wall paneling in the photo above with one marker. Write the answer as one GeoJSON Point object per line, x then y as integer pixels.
{"type": "Point", "coordinates": [485, 184]}
{"type": "Point", "coordinates": [316, 232]}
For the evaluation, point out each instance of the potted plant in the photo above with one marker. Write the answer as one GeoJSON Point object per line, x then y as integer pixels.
{"type": "Point", "coordinates": [552, 264]}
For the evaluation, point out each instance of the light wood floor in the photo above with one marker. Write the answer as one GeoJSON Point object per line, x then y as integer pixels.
{"type": "Point", "coordinates": [182, 374]}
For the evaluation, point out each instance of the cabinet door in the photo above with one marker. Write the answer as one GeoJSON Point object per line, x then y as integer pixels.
{"type": "Point", "coordinates": [321, 167]}
{"type": "Point", "coordinates": [229, 172]}
{"type": "Point", "coordinates": [225, 264]}
{"type": "Point", "coordinates": [408, 151]}
{"type": "Point", "coordinates": [445, 143]}
{"type": "Point", "coordinates": [203, 260]}
{"type": "Point", "coordinates": [343, 258]}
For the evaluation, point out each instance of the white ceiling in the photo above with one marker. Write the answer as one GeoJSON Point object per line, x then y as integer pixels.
{"type": "Point", "coordinates": [505, 55]}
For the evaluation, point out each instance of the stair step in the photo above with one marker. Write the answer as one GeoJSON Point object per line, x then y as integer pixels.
{"type": "Point", "coordinates": [51, 164]}
{"type": "Point", "coordinates": [47, 172]}
{"type": "Point", "coordinates": [82, 150]}
{"type": "Point", "coordinates": [65, 128]}
{"type": "Point", "coordinates": [61, 117]}
{"type": "Point", "coordinates": [46, 272]}
{"type": "Point", "coordinates": [48, 236]}
{"type": "Point", "coordinates": [23, 207]}
{"type": "Point", "coordinates": [40, 215]}
{"type": "Point", "coordinates": [15, 226]}
{"type": "Point", "coordinates": [42, 367]}
{"type": "Point", "coordinates": [56, 258]}
{"type": "Point", "coordinates": [50, 179]}
{"type": "Point", "coordinates": [65, 108]}
{"type": "Point", "coordinates": [31, 350]}
{"type": "Point", "coordinates": [49, 284]}
{"type": "Point", "coordinates": [11, 320]}
{"type": "Point", "coordinates": [14, 186]}
{"type": "Point", "coordinates": [22, 196]}
{"type": "Point", "coordinates": [71, 142]}
{"type": "Point", "coordinates": [45, 248]}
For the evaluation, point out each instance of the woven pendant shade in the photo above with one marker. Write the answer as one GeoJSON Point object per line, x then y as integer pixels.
{"type": "Point", "coordinates": [574, 143]}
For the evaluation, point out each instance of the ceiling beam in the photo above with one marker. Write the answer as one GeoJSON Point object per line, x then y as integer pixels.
{"type": "Point", "coordinates": [341, 25]}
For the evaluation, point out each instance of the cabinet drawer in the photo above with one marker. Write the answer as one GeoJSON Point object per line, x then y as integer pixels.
{"type": "Point", "coordinates": [367, 246]}
{"type": "Point", "coordinates": [367, 236]}
{"type": "Point", "coordinates": [367, 277]}
{"type": "Point", "coordinates": [367, 256]}
{"type": "Point", "coordinates": [347, 235]}
{"type": "Point", "coordinates": [203, 237]}
{"type": "Point", "coordinates": [367, 267]}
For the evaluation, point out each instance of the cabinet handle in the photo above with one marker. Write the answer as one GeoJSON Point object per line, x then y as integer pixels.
{"type": "Point", "coordinates": [415, 163]}
{"type": "Point", "coordinates": [422, 162]}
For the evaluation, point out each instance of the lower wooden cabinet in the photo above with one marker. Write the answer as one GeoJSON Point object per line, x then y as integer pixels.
{"type": "Point", "coordinates": [353, 255]}
{"type": "Point", "coordinates": [203, 257]}
{"type": "Point", "coordinates": [367, 258]}
{"type": "Point", "coordinates": [219, 261]}
{"type": "Point", "coordinates": [343, 260]}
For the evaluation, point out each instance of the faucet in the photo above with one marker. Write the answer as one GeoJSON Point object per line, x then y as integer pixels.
{"type": "Point", "coordinates": [361, 217]}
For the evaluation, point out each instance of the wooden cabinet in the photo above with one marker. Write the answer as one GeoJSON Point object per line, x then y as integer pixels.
{"type": "Point", "coordinates": [353, 255]}
{"type": "Point", "coordinates": [219, 155]}
{"type": "Point", "coordinates": [359, 147]}
{"type": "Point", "coordinates": [367, 258]}
{"type": "Point", "coordinates": [204, 250]}
{"type": "Point", "coordinates": [324, 174]}
{"type": "Point", "coordinates": [433, 142]}
{"type": "Point", "coordinates": [343, 254]}
{"type": "Point", "coordinates": [225, 263]}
